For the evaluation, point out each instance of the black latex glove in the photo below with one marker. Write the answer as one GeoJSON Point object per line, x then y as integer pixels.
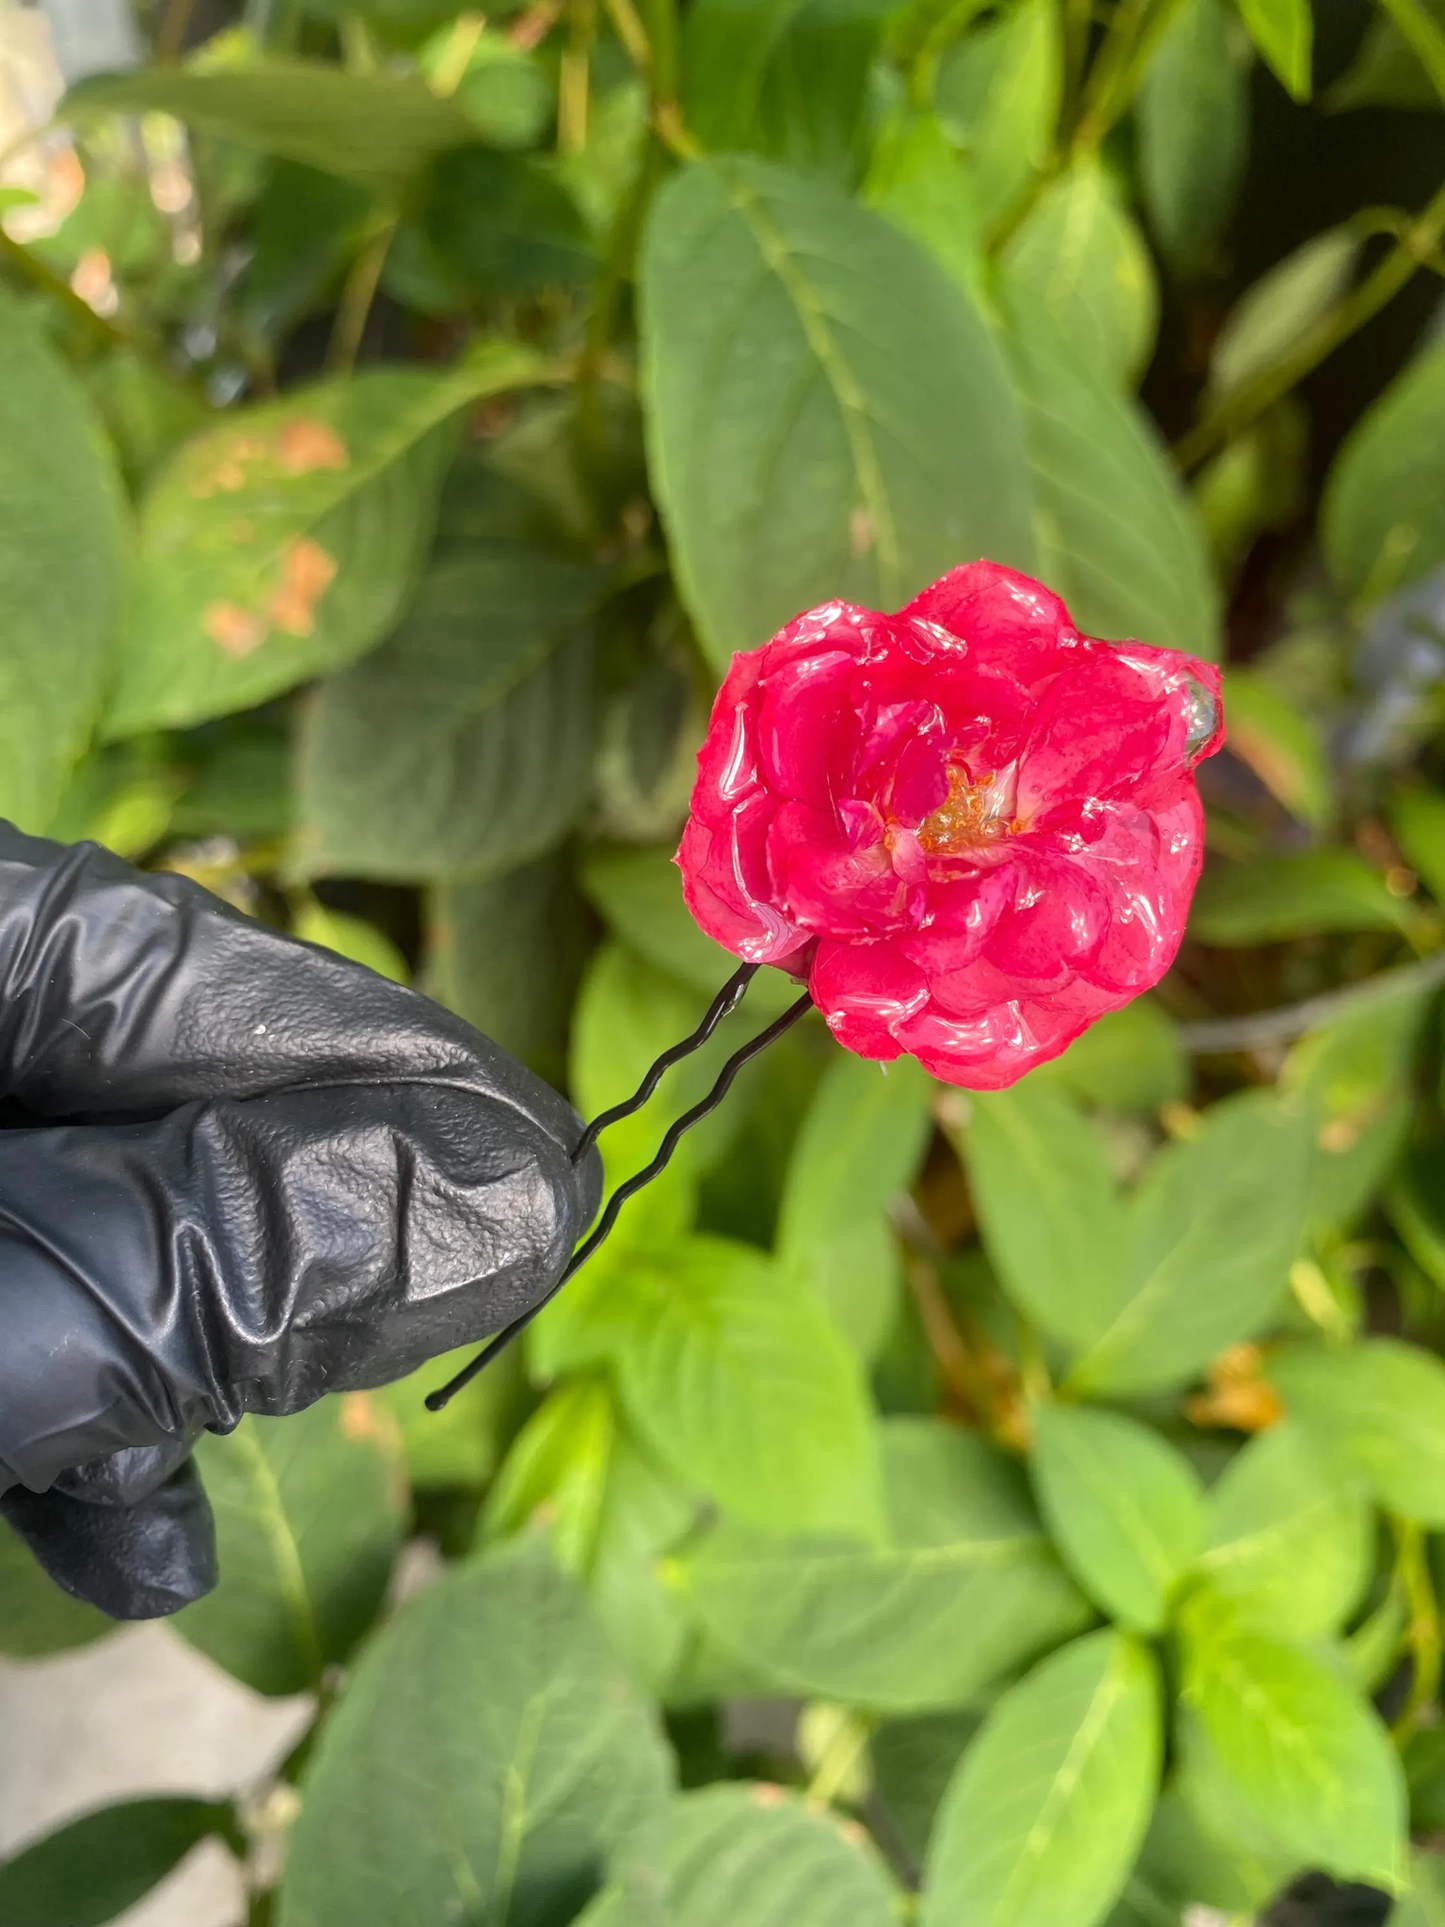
{"type": "Point", "coordinates": [241, 1172]}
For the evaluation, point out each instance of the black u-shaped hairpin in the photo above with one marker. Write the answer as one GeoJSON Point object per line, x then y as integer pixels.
{"type": "Point", "coordinates": [726, 1001]}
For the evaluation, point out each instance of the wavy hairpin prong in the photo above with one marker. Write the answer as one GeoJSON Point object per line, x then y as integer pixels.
{"type": "Point", "coordinates": [726, 1001]}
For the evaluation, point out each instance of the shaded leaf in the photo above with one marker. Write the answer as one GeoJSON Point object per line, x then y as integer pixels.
{"type": "Point", "coordinates": [1192, 115]}
{"type": "Point", "coordinates": [310, 1512]}
{"type": "Point", "coordinates": [998, 95]}
{"type": "Point", "coordinates": [1274, 898]}
{"type": "Point", "coordinates": [489, 1758]}
{"type": "Point", "coordinates": [63, 539]}
{"type": "Point", "coordinates": [378, 129]}
{"type": "Point", "coordinates": [36, 1617]}
{"type": "Point", "coordinates": [1289, 1540]}
{"type": "Point", "coordinates": [1118, 537]}
{"type": "Point", "coordinates": [880, 1626]}
{"type": "Point", "coordinates": [1383, 520]}
{"type": "Point", "coordinates": [1270, 316]}
{"type": "Point", "coordinates": [96, 1867]}
{"type": "Point", "coordinates": [1281, 745]}
{"type": "Point", "coordinates": [1079, 256]}
{"type": "Point", "coordinates": [1049, 1806]}
{"type": "Point", "coordinates": [828, 415]}
{"type": "Point", "coordinates": [1123, 1506]}
{"type": "Point", "coordinates": [913, 1761]}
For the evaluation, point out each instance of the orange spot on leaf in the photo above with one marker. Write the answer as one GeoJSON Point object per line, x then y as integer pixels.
{"type": "Point", "coordinates": [238, 631]}
{"type": "Point", "coordinates": [307, 572]}
{"type": "Point", "coordinates": [306, 445]}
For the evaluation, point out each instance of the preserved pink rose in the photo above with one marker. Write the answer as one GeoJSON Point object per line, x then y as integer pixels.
{"type": "Point", "coordinates": [973, 829]}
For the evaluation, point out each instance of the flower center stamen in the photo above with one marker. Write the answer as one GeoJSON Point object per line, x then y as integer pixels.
{"type": "Point", "coordinates": [971, 814]}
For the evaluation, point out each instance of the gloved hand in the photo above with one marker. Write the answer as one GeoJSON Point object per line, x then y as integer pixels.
{"type": "Point", "coordinates": [239, 1173]}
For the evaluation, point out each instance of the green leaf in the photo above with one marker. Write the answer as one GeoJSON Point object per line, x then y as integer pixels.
{"type": "Point", "coordinates": [352, 937]}
{"type": "Point", "coordinates": [828, 415]}
{"type": "Point", "coordinates": [1079, 255]}
{"type": "Point", "coordinates": [1050, 1804]}
{"type": "Point", "coordinates": [1214, 1227]}
{"type": "Point", "coordinates": [1386, 70]}
{"type": "Point", "coordinates": [36, 1617]}
{"type": "Point", "coordinates": [919, 181]}
{"type": "Point", "coordinates": [555, 1473]}
{"type": "Point", "coordinates": [1283, 31]}
{"type": "Point", "coordinates": [739, 1380]}
{"type": "Point", "coordinates": [489, 1760]}
{"type": "Point", "coordinates": [460, 1445]}
{"type": "Point", "coordinates": [1281, 745]}
{"type": "Point", "coordinates": [1192, 117]}
{"type": "Point", "coordinates": [377, 129]}
{"type": "Point", "coordinates": [1424, 1905]}
{"type": "Point", "coordinates": [1284, 1756]}
{"type": "Point", "coordinates": [639, 894]}
{"type": "Point", "coordinates": [913, 1761]}
{"type": "Point", "coordinates": [1272, 899]}
{"type": "Point", "coordinates": [883, 1626]}
{"type": "Point", "coordinates": [1118, 537]}
{"type": "Point", "coordinates": [1380, 1406]}
{"type": "Point", "coordinates": [1416, 1203]}
{"type": "Point", "coordinates": [281, 542]}
{"type": "Point", "coordinates": [507, 954]}
{"type": "Point", "coordinates": [1181, 1867]}
{"type": "Point", "coordinates": [101, 1864]}
{"type": "Point", "coordinates": [505, 90]}
{"type": "Point", "coordinates": [63, 538]}
{"type": "Point", "coordinates": [1270, 317]}
{"type": "Point", "coordinates": [645, 1512]}
{"type": "Point", "coordinates": [1130, 1061]}
{"type": "Point", "coordinates": [1417, 818]}
{"type": "Point", "coordinates": [787, 78]}
{"type": "Point", "coordinates": [494, 225]}
{"type": "Point", "coordinates": [309, 1512]}
{"type": "Point", "coordinates": [1046, 1202]}
{"type": "Point", "coordinates": [1124, 1508]}
{"type": "Point", "coordinates": [757, 1855]}
{"type": "Point", "coordinates": [859, 1149]}
{"type": "Point", "coordinates": [460, 748]}
{"type": "Point", "coordinates": [998, 95]}
{"type": "Point", "coordinates": [1290, 1541]}
{"type": "Point", "coordinates": [1383, 520]}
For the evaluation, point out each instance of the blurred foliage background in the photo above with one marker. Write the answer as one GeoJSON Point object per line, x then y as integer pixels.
{"type": "Point", "coordinates": [1019, 1511]}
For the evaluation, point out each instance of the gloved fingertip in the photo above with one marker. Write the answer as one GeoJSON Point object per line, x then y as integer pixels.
{"type": "Point", "coordinates": [140, 1561]}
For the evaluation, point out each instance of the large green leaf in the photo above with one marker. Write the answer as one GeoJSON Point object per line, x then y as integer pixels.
{"type": "Point", "coordinates": [309, 1515]}
{"type": "Point", "coordinates": [858, 1149]}
{"type": "Point", "coordinates": [1274, 898]}
{"type": "Point", "coordinates": [998, 96]}
{"type": "Point", "coordinates": [1122, 1506]}
{"type": "Point", "coordinates": [1283, 31]}
{"type": "Point", "coordinates": [1289, 1539]}
{"type": "Point", "coordinates": [1049, 1806]}
{"type": "Point", "coordinates": [1051, 1218]}
{"type": "Point", "coordinates": [101, 1864]}
{"type": "Point", "coordinates": [1117, 535]}
{"type": "Point", "coordinates": [740, 1381]}
{"type": "Point", "coordinates": [62, 551]}
{"type": "Point", "coordinates": [965, 1588]}
{"type": "Point", "coordinates": [1380, 1405]}
{"type": "Point", "coordinates": [378, 129]}
{"type": "Point", "coordinates": [918, 180]}
{"type": "Point", "coordinates": [281, 542]}
{"type": "Point", "coordinates": [506, 953]}
{"type": "Point", "coordinates": [1129, 1061]}
{"type": "Point", "coordinates": [1080, 256]}
{"type": "Point", "coordinates": [36, 1617]}
{"type": "Point", "coordinates": [489, 1761]}
{"type": "Point", "coordinates": [555, 1473]}
{"type": "Point", "coordinates": [462, 747]}
{"type": "Point", "coordinates": [1192, 117]}
{"type": "Point", "coordinates": [757, 1855]}
{"type": "Point", "coordinates": [1384, 513]}
{"type": "Point", "coordinates": [645, 1512]}
{"type": "Point", "coordinates": [828, 415]}
{"type": "Point", "coordinates": [1284, 1756]}
{"type": "Point", "coordinates": [1215, 1225]}
{"type": "Point", "coordinates": [787, 78]}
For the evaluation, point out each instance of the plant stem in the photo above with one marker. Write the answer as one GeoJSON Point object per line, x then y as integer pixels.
{"type": "Point", "coordinates": [629, 29]}
{"type": "Point", "coordinates": [1422, 1629]}
{"type": "Point", "coordinates": [451, 69]}
{"type": "Point", "coordinates": [1114, 79]}
{"type": "Point", "coordinates": [1263, 1028]}
{"type": "Point", "coordinates": [1417, 244]}
{"type": "Point", "coordinates": [843, 1753]}
{"type": "Point", "coordinates": [357, 296]}
{"type": "Point", "coordinates": [574, 82]}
